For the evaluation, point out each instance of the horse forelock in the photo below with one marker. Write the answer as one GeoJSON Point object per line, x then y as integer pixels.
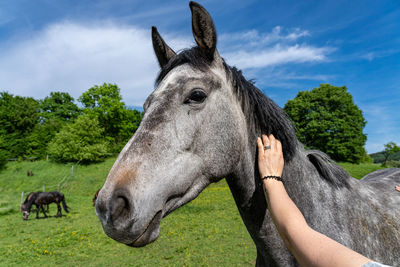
{"type": "Point", "coordinates": [193, 56]}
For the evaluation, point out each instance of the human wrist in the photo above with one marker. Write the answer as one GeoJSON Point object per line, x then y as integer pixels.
{"type": "Point", "coordinates": [275, 177]}
{"type": "Point", "coordinates": [271, 184]}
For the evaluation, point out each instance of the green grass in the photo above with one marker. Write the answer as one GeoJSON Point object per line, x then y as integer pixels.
{"type": "Point", "coordinates": [360, 170]}
{"type": "Point", "coordinates": [206, 232]}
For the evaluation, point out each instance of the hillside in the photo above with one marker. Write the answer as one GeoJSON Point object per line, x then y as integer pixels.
{"type": "Point", "coordinates": [380, 158]}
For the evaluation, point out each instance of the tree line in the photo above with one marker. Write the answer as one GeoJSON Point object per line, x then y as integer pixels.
{"type": "Point", "coordinates": [391, 155]}
{"type": "Point", "coordinates": [57, 126]}
{"type": "Point", "coordinates": [326, 118]}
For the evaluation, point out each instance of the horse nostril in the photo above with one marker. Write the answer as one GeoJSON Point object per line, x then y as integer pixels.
{"type": "Point", "coordinates": [119, 207]}
{"type": "Point", "coordinates": [114, 209]}
{"type": "Point", "coordinates": [101, 208]}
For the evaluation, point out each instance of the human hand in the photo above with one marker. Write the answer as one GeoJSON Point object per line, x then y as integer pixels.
{"type": "Point", "coordinates": [397, 188]}
{"type": "Point", "coordinates": [270, 161]}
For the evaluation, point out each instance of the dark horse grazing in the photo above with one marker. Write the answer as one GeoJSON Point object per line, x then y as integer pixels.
{"type": "Point", "coordinates": [40, 199]}
{"type": "Point", "coordinates": [200, 125]}
{"type": "Point", "coordinates": [29, 197]}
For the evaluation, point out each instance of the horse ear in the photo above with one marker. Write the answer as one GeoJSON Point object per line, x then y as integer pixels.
{"type": "Point", "coordinates": [203, 29]}
{"type": "Point", "coordinates": [163, 52]}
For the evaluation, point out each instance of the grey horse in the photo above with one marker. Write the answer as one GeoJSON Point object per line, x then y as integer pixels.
{"type": "Point", "coordinates": [200, 125]}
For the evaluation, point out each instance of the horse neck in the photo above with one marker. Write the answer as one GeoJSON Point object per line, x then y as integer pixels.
{"type": "Point", "coordinates": [246, 187]}
{"type": "Point", "coordinates": [28, 203]}
{"type": "Point", "coordinates": [245, 184]}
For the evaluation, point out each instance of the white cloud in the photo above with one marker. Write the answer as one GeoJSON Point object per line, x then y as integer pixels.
{"type": "Point", "coordinates": [253, 49]}
{"type": "Point", "coordinates": [254, 38]}
{"type": "Point", "coordinates": [73, 57]}
{"type": "Point", "coordinates": [372, 55]}
{"type": "Point", "coordinates": [277, 55]}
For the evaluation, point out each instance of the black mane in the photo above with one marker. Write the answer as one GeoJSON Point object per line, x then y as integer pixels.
{"type": "Point", "coordinates": [30, 198]}
{"type": "Point", "coordinates": [263, 115]}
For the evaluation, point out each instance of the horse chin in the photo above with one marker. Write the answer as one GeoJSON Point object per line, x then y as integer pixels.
{"type": "Point", "coordinates": [151, 232]}
{"type": "Point", "coordinates": [134, 238]}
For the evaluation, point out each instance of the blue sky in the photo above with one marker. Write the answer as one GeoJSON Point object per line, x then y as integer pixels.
{"type": "Point", "coordinates": [285, 46]}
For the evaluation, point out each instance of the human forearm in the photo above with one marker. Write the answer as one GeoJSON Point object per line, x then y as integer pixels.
{"type": "Point", "coordinates": [310, 247]}
{"type": "Point", "coordinates": [286, 216]}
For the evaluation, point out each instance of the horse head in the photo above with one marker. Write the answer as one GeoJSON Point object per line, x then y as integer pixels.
{"type": "Point", "coordinates": [188, 138]}
{"type": "Point", "coordinates": [26, 206]}
{"type": "Point", "coordinates": [25, 211]}
{"type": "Point", "coordinates": [25, 214]}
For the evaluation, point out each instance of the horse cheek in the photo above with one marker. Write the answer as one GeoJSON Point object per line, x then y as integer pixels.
{"type": "Point", "coordinates": [223, 143]}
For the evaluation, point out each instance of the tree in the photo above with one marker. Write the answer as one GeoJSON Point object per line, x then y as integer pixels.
{"type": "Point", "coordinates": [56, 110]}
{"type": "Point", "coordinates": [18, 118]}
{"type": "Point", "coordinates": [327, 119]}
{"type": "Point", "coordinates": [60, 106]}
{"type": "Point", "coordinates": [41, 136]}
{"type": "Point", "coordinates": [81, 141]}
{"type": "Point", "coordinates": [105, 103]}
{"type": "Point", "coordinates": [390, 149]}
{"type": "Point", "coordinates": [130, 123]}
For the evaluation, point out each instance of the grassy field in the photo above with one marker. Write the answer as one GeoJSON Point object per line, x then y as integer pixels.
{"type": "Point", "coordinates": [206, 232]}
{"type": "Point", "coordinates": [360, 170]}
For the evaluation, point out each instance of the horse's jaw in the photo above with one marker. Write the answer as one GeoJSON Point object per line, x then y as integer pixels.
{"type": "Point", "coordinates": [152, 231]}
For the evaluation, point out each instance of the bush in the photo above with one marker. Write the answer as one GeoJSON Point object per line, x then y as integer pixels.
{"type": "Point", "coordinates": [392, 164]}
{"type": "Point", "coordinates": [365, 158]}
{"type": "Point", "coordinates": [81, 141]}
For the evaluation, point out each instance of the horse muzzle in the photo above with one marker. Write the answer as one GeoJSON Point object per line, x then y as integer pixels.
{"type": "Point", "coordinates": [120, 221]}
{"type": "Point", "coordinates": [25, 215]}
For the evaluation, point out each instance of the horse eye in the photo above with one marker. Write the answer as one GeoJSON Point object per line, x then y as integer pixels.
{"type": "Point", "coordinates": [196, 96]}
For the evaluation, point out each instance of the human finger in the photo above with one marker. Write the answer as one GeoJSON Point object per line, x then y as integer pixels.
{"type": "Point", "coordinates": [266, 142]}
{"type": "Point", "coordinates": [279, 146]}
{"type": "Point", "coordinates": [272, 142]}
{"type": "Point", "coordinates": [260, 146]}
{"type": "Point", "coordinates": [276, 145]}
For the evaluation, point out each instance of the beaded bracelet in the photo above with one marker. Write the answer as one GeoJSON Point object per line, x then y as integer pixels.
{"type": "Point", "coordinates": [278, 178]}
